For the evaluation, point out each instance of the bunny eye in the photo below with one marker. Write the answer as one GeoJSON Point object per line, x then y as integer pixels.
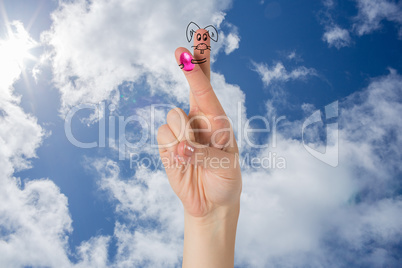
{"type": "Point", "coordinates": [205, 36]}
{"type": "Point", "coordinates": [199, 37]}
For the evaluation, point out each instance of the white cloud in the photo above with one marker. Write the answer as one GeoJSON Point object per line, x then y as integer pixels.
{"type": "Point", "coordinates": [93, 253]}
{"type": "Point", "coordinates": [154, 231]}
{"type": "Point", "coordinates": [235, 105]}
{"type": "Point", "coordinates": [150, 248]}
{"type": "Point", "coordinates": [36, 223]}
{"type": "Point", "coordinates": [311, 211]}
{"type": "Point", "coordinates": [328, 3]}
{"type": "Point", "coordinates": [34, 217]}
{"type": "Point", "coordinates": [232, 43]}
{"type": "Point", "coordinates": [334, 35]}
{"type": "Point", "coordinates": [278, 73]}
{"type": "Point", "coordinates": [373, 12]}
{"type": "Point", "coordinates": [337, 37]}
{"type": "Point", "coordinates": [292, 55]}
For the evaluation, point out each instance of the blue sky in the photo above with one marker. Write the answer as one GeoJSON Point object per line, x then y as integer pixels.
{"type": "Point", "coordinates": [336, 204]}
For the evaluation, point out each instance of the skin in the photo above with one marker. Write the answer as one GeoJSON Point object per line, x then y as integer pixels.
{"type": "Point", "coordinates": [208, 182]}
{"type": "Point", "coordinates": [205, 67]}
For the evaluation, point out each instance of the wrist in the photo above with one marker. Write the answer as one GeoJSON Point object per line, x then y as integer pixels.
{"type": "Point", "coordinates": [209, 241]}
{"type": "Point", "coordinates": [217, 216]}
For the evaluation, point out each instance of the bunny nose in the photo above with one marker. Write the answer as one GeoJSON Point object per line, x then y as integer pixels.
{"type": "Point", "coordinates": [185, 59]}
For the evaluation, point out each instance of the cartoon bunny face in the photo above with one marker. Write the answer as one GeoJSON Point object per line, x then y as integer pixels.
{"type": "Point", "coordinates": [202, 40]}
{"type": "Point", "coordinates": [202, 37]}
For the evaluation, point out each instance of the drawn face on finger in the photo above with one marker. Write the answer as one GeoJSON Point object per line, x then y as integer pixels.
{"type": "Point", "coordinates": [202, 41]}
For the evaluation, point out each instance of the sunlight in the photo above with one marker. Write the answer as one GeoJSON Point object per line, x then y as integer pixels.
{"type": "Point", "coordinates": [14, 50]}
{"type": "Point", "coordinates": [17, 49]}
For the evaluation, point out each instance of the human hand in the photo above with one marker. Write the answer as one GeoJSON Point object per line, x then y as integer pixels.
{"type": "Point", "coordinates": [199, 150]}
{"type": "Point", "coordinates": [200, 156]}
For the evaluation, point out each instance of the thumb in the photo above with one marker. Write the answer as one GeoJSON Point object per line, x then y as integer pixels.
{"type": "Point", "coordinates": [207, 157]}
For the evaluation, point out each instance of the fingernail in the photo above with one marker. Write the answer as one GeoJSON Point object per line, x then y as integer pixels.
{"type": "Point", "coordinates": [185, 61]}
{"type": "Point", "coordinates": [180, 159]}
{"type": "Point", "coordinates": [188, 149]}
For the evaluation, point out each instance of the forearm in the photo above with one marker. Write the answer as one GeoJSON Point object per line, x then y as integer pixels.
{"type": "Point", "coordinates": [210, 241]}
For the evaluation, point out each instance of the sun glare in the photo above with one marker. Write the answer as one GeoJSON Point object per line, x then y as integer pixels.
{"type": "Point", "coordinates": [18, 44]}
{"type": "Point", "coordinates": [15, 50]}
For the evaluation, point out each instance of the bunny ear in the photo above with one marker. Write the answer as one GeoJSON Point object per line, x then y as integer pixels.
{"type": "Point", "coordinates": [191, 28]}
{"type": "Point", "coordinates": [213, 33]}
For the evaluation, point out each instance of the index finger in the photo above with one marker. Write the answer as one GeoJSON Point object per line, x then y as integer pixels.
{"type": "Point", "coordinates": [201, 88]}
